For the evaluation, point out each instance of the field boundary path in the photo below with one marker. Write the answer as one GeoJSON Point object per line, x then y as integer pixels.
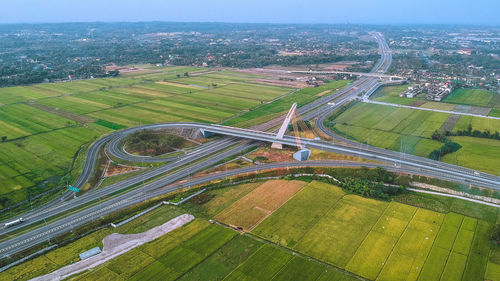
{"type": "Point", "coordinates": [115, 245]}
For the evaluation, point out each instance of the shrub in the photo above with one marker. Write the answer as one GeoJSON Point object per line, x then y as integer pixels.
{"type": "Point", "coordinates": [372, 189]}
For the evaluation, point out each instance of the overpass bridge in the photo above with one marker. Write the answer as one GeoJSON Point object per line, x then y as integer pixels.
{"type": "Point", "coordinates": [366, 74]}
{"type": "Point", "coordinates": [367, 152]}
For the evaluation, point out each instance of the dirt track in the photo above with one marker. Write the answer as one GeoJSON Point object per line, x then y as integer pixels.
{"type": "Point", "coordinates": [115, 245]}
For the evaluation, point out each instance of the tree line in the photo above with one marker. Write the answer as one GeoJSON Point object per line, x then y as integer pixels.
{"type": "Point", "coordinates": [448, 146]}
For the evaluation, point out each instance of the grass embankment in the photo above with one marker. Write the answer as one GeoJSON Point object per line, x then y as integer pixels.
{"type": "Point", "coordinates": [154, 143]}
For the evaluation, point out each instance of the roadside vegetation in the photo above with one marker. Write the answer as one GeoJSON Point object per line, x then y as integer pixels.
{"type": "Point", "coordinates": [448, 146]}
{"type": "Point", "coordinates": [372, 189]}
{"type": "Point", "coordinates": [153, 143]}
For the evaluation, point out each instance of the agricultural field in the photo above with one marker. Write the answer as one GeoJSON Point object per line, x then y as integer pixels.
{"type": "Point", "coordinates": [199, 251]}
{"type": "Point", "coordinates": [381, 240]}
{"type": "Point", "coordinates": [480, 124]}
{"type": "Point", "coordinates": [221, 199]}
{"type": "Point", "coordinates": [196, 251]}
{"type": "Point", "coordinates": [461, 100]}
{"type": "Point", "coordinates": [408, 130]}
{"type": "Point", "coordinates": [476, 152]}
{"type": "Point", "coordinates": [45, 125]}
{"type": "Point", "coordinates": [390, 94]}
{"type": "Point", "coordinates": [282, 105]}
{"type": "Point", "coordinates": [287, 225]}
{"type": "Point", "coordinates": [259, 203]}
{"type": "Point", "coordinates": [389, 127]}
{"type": "Point", "coordinates": [319, 233]}
{"type": "Point", "coordinates": [473, 97]}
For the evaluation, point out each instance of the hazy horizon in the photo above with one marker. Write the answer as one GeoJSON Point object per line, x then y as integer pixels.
{"type": "Point", "coordinates": [384, 12]}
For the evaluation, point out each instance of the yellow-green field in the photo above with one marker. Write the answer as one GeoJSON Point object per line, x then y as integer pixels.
{"type": "Point", "coordinates": [334, 236]}
{"type": "Point", "coordinates": [391, 127]}
{"type": "Point", "coordinates": [476, 152]}
{"type": "Point", "coordinates": [196, 251]}
{"type": "Point", "coordinates": [380, 240]}
{"type": "Point", "coordinates": [282, 105]}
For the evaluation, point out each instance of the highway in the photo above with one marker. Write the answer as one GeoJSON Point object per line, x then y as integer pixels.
{"type": "Point", "coordinates": [148, 191]}
{"type": "Point", "coordinates": [364, 151]}
{"type": "Point", "coordinates": [209, 154]}
{"type": "Point", "coordinates": [112, 144]}
{"type": "Point", "coordinates": [40, 214]}
{"type": "Point", "coordinates": [367, 74]}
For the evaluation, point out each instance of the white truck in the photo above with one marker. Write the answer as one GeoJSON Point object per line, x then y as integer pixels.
{"type": "Point", "coordinates": [12, 223]}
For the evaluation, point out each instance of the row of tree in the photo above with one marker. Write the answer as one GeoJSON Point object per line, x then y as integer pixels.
{"type": "Point", "coordinates": [369, 188]}
{"type": "Point", "coordinates": [470, 132]}
{"type": "Point", "coordinates": [448, 146]}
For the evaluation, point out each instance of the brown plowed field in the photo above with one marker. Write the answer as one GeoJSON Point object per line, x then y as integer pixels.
{"type": "Point", "coordinates": [250, 210]}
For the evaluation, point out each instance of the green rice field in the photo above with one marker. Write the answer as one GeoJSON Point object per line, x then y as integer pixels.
{"type": "Point", "coordinates": [46, 124]}
{"type": "Point", "coordinates": [473, 97]}
{"type": "Point", "coordinates": [465, 100]}
{"type": "Point", "coordinates": [476, 152]}
{"type": "Point", "coordinates": [408, 130]}
{"type": "Point", "coordinates": [281, 106]}
{"type": "Point", "coordinates": [390, 94]}
{"type": "Point", "coordinates": [196, 251]}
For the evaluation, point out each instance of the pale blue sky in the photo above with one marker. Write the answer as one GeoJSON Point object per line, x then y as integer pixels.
{"type": "Point", "coordinates": [268, 11]}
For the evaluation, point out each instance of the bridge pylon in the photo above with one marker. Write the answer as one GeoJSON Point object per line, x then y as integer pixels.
{"type": "Point", "coordinates": [284, 127]}
{"type": "Point", "coordinates": [303, 153]}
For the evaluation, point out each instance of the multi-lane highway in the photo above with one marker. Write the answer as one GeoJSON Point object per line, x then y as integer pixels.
{"type": "Point", "coordinates": [213, 152]}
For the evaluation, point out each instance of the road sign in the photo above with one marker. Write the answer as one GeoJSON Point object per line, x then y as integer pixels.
{"type": "Point", "coordinates": [72, 188]}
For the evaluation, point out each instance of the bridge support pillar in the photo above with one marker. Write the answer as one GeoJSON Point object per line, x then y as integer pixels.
{"type": "Point", "coordinates": [302, 155]}
{"type": "Point", "coordinates": [277, 145]}
{"type": "Point", "coordinates": [206, 134]}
